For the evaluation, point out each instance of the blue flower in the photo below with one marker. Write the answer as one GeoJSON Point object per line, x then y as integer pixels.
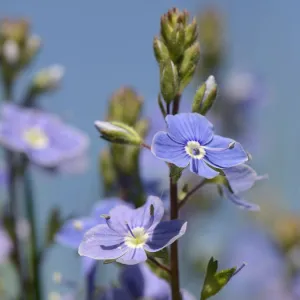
{"type": "Point", "coordinates": [72, 232]}
{"type": "Point", "coordinates": [128, 233]}
{"type": "Point", "coordinates": [240, 179]}
{"type": "Point", "coordinates": [190, 140]}
{"type": "Point", "coordinates": [139, 282]}
{"type": "Point", "coordinates": [43, 137]}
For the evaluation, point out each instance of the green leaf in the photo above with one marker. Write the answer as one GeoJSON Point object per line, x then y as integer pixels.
{"type": "Point", "coordinates": [109, 261]}
{"type": "Point", "coordinates": [175, 172]}
{"type": "Point", "coordinates": [54, 224]}
{"type": "Point", "coordinates": [163, 254]}
{"type": "Point", "coordinates": [214, 281]}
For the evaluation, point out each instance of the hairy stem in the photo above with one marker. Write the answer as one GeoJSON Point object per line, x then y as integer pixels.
{"type": "Point", "coordinates": [175, 285]}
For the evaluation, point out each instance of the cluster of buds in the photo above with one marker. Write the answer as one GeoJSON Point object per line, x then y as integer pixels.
{"type": "Point", "coordinates": [123, 127]}
{"type": "Point", "coordinates": [177, 52]}
{"type": "Point", "coordinates": [17, 46]}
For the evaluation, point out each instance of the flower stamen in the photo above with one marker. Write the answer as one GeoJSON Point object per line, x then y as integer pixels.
{"type": "Point", "coordinates": [195, 150]}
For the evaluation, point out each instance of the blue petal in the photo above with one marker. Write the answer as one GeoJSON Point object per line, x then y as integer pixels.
{"type": "Point", "coordinates": [165, 148]}
{"type": "Point", "coordinates": [199, 167]}
{"type": "Point", "coordinates": [88, 265]}
{"type": "Point", "coordinates": [225, 158]}
{"type": "Point", "coordinates": [142, 216]}
{"type": "Point", "coordinates": [71, 236]}
{"type": "Point", "coordinates": [133, 256]}
{"type": "Point", "coordinates": [241, 203]}
{"type": "Point", "coordinates": [116, 294]}
{"type": "Point", "coordinates": [101, 242]}
{"type": "Point", "coordinates": [143, 283]}
{"type": "Point", "coordinates": [104, 206]}
{"type": "Point", "coordinates": [189, 127]}
{"type": "Point", "coordinates": [241, 178]}
{"type": "Point", "coordinates": [119, 217]}
{"type": "Point", "coordinates": [164, 234]}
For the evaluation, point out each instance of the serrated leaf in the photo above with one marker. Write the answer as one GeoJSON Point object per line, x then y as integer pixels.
{"type": "Point", "coordinates": [214, 281]}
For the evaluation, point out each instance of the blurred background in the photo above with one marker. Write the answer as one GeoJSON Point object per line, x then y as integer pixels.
{"type": "Point", "coordinates": [252, 49]}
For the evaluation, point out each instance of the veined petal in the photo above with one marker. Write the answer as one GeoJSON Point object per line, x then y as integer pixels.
{"type": "Point", "coordinates": [133, 256]}
{"type": "Point", "coordinates": [241, 203]}
{"type": "Point", "coordinates": [199, 167]}
{"type": "Point", "coordinates": [119, 217]}
{"type": "Point", "coordinates": [164, 234]}
{"type": "Point", "coordinates": [189, 127]}
{"type": "Point", "coordinates": [226, 158]}
{"type": "Point", "coordinates": [165, 148]}
{"type": "Point", "coordinates": [144, 217]}
{"type": "Point", "coordinates": [241, 178]}
{"type": "Point", "coordinates": [101, 242]}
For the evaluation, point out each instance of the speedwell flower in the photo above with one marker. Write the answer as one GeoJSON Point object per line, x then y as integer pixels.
{"type": "Point", "coordinates": [43, 137]}
{"type": "Point", "coordinates": [240, 179]}
{"type": "Point", "coordinates": [129, 233]}
{"type": "Point", "coordinates": [72, 232]}
{"type": "Point", "coordinates": [190, 140]}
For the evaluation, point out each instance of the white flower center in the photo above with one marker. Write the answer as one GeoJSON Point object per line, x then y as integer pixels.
{"type": "Point", "coordinates": [78, 225]}
{"type": "Point", "coordinates": [36, 138]}
{"type": "Point", "coordinates": [136, 238]}
{"type": "Point", "coordinates": [195, 150]}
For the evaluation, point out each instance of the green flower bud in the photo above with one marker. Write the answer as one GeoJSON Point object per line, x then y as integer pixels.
{"type": "Point", "coordinates": [32, 47]}
{"type": "Point", "coordinates": [190, 59]}
{"type": "Point", "coordinates": [125, 106]}
{"type": "Point", "coordinates": [176, 42]}
{"type": "Point", "coordinates": [191, 34]}
{"type": "Point", "coordinates": [48, 79]}
{"type": "Point", "coordinates": [10, 52]}
{"type": "Point", "coordinates": [117, 132]}
{"type": "Point", "coordinates": [169, 81]}
{"type": "Point", "coordinates": [209, 96]}
{"type": "Point", "coordinates": [186, 79]}
{"type": "Point", "coordinates": [16, 30]}
{"type": "Point", "coordinates": [142, 127]}
{"type": "Point", "coordinates": [107, 171]}
{"type": "Point", "coordinates": [161, 52]}
{"type": "Point", "coordinates": [205, 96]}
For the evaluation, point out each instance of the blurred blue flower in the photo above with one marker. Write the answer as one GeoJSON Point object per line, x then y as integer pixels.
{"type": "Point", "coordinates": [43, 137]}
{"type": "Point", "coordinates": [139, 282]}
{"type": "Point", "coordinates": [72, 232]}
{"type": "Point", "coordinates": [128, 233]}
{"type": "Point", "coordinates": [266, 269]}
{"type": "Point", "coordinates": [240, 179]}
{"type": "Point", "coordinates": [5, 245]}
{"type": "Point", "coordinates": [190, 140]}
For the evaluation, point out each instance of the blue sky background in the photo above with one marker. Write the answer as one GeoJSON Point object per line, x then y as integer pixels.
{"type": "Point", "coordinates": [106, 44]}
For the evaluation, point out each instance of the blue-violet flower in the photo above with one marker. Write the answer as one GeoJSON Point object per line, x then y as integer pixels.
{"type": "Point", "coordinates": [129, 233]}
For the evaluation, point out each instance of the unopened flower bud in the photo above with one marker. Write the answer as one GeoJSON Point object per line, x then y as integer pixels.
{"type": "Point", "coordinates": [191, 34]}
{"type": "Point", "coordinates": [205, 96]}
{"type": "Point", "coordinates": [125, 106]}
{"type": "Point", "coordinates": [190, 59]}
{"type": "Point", "coordinates": [117, 132]}
{"type": "Point", "coordinates": [161, 52]}
{"type": "Point", "coordinates": [11, 52]}
{"type": "Point", "coordinates": [48, 79]}
{"type": "Point", "coordinates": [169, 81]}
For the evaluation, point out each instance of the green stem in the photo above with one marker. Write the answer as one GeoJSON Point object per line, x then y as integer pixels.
{"type": "Point", "coordinates": [13, 208]}
{"type": "Point", "coordinates": [175, 285]}
{"type": "Point", "coordinates": [29, 202]}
